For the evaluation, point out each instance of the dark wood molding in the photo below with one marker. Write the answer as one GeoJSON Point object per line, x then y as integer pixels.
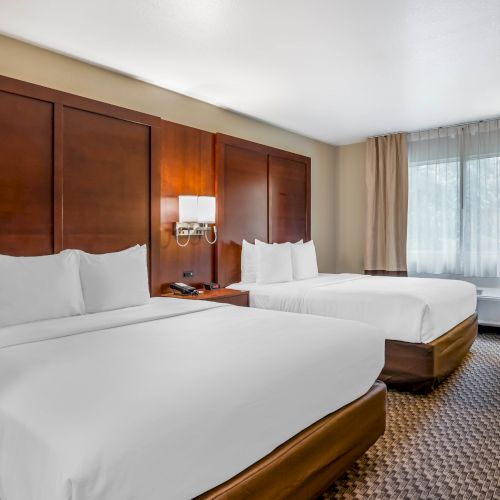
{"type": "Point", "coordinates": [308, 200]}
{"type": "Point", "coordinates": [39, 92]}
{"type": "Point", "coordinates": [58, 177]}
{"type": "Point", "coordinates": [219, 161]}
{"type": "Point", "coordinates": [156, 154]}
{"type": "Point", "coordinates": [254, 146]}
{"type": "Point", "coordinates": [27, 89]}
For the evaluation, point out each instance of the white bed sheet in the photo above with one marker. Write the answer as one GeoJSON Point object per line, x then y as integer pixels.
{"type": "Point", "coordinates": [167, 400]}
{"type": "Point", "coordinates": [415, 310]}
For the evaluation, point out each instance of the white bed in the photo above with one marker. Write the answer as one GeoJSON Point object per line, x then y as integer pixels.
{"type": "Point", "coordinates": [417, 310]}
{"type": "Point", "coordinates": [169, 399]}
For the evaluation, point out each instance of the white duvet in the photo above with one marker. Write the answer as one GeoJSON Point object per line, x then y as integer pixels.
{"type": "Point", "coordinates": [167, 400]}
{"type": "Point", "coordinates": [408, 309]}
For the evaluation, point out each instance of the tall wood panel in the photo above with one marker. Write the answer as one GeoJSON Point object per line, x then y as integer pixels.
{"type": "Point", "coordinates": [187, 168]}
{"type": "Point", "coordinates": [106, 177]}
{"type": "Point", "coordinates": [26, 180]}
{"type": "Point", "coordinates": [241, 202]}
{"type": "Point", "coordinates": [262, 193]}
{"type": "Point", "coordinates": [289, 192]}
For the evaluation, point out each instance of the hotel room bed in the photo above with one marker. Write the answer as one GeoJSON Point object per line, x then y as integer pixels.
{"type": "Point", "coordinates": [175, 399]}
{"type": "Point", "coordinates": [430, 324]}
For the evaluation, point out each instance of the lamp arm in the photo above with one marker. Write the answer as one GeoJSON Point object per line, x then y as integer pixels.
{"type": "Point", "coordinates": [215, 236]}
{"type": "Point", "coordinates": [187, 241]}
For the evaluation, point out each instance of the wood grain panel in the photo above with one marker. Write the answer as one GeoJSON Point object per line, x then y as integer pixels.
{"type": "Point", "coordinates": [241, 203]}
{"type": "Point", "coordinates": [263, 193]}
{"type": "Point", "coordinates": [26, 177]}
{"type": "Point", "coordinates": [288, 199]}
{"type": "Point", "coordinates": [187, 167]}
{"type": "Point", "coordinates": [106, 178]}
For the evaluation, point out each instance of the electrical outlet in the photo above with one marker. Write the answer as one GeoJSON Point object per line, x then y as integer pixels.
{"type": "Point", "coordinates": [187, 274]}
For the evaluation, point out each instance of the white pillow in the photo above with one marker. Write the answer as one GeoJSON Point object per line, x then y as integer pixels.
{"type": "Point", "coordinates": [274, 262]}
{"type": "Point", "coordinates": [248, 262]}
{"type": "Point", "coordinates": [114, 280]}
{"type": "Point", "coordinates": [305, 264]}
{"type": "Point", "coordinates": [36, 288]}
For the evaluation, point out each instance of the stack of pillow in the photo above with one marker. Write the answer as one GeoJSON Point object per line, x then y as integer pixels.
{"type": "Point", "coordinates": [264, 263]}
{"type": "Point", "coordinates": [71, 283]}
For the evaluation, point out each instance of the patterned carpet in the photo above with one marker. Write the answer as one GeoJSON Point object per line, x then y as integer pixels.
{"type": "Point", "coordinates": [445, 445]}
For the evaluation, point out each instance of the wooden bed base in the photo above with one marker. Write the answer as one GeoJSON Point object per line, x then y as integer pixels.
{"type": "Point", "coordinates": [305, 465]}
{"type": "Point", "coordinates": [419, 368]}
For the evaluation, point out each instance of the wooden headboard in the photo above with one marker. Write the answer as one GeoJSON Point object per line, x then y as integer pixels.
{"type": "Point", "coordinates": [262, 193]}
{"type": "Point", "coordinates": [76, 173]}
{"type": "Point", "coordinates": [79, 173]}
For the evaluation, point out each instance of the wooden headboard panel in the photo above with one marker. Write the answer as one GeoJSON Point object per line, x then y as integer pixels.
{"type": "Point", "coordinates": [76, 173]}
{"type": "Point", "coordinates": [262, 193]}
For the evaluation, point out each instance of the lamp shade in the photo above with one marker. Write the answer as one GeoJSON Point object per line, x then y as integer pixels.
{"type": "Point", "coordinates": [206, 209]}
{"type": "Point", "coordinates": [188, 208]}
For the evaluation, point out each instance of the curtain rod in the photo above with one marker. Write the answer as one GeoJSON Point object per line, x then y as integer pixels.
{"type": "Point", "coordinates": [437, 128]}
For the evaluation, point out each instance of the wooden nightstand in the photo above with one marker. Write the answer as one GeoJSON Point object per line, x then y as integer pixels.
{"type": "Point", "coordinates": [226, 295]}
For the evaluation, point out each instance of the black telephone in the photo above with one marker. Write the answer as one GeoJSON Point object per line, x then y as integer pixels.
{"type": "Point", "coordinates": [183, 289]}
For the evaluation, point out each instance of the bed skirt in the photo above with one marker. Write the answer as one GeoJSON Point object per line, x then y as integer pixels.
{"type": "Point", "coordinates": [306, 464]}
{"type": "Point", "coordinates": [419, 368]}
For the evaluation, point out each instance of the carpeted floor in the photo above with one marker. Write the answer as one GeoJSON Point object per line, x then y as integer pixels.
{"type": "Point", "coordinates": [445, 445]}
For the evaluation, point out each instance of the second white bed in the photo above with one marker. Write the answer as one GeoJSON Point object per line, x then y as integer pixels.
{"type": "Point", "coordinates": [416, 310]}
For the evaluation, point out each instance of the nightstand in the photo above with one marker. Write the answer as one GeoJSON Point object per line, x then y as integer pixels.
{"type": "Point", "coordinates": [226, 295]}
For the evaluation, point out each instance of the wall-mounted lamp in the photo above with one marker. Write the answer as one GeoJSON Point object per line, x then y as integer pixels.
{"type": "Point", "coordinates": [196, 213]}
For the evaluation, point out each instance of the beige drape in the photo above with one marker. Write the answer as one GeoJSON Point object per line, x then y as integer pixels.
{"type": "Point", "coordinates": [387, 203]}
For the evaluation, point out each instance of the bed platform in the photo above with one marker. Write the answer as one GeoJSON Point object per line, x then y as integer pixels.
{"type": "Point", "coordinates": [419, 368]}
{"type": "Point", "coordinates": [305, 465]}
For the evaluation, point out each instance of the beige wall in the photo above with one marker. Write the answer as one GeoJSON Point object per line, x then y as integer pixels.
{"type": "Point", "coordinates": [26, 62]}
{"type": "Point", "coordinates": [350, 206]}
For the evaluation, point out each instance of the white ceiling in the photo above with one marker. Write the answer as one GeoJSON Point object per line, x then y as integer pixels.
{"type": "Point", "coordinates": [334, 70]}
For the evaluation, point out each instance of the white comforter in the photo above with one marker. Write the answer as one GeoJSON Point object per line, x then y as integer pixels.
{"type": "Point", "coordinates": [408, 309]}
{"type": "Point", "coordinates": [167, 400]}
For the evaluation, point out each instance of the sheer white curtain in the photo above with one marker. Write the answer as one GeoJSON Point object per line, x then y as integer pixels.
{"type": "Point", "coordinates": [434, 201]}
{"type": "Point", "coordinates": [454, 200]}
{"type": "Point", "coordinates": [481, 214]}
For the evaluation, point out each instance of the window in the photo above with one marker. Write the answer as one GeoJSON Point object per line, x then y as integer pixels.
{"type": "Point", "coordinates": [454, 200]}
